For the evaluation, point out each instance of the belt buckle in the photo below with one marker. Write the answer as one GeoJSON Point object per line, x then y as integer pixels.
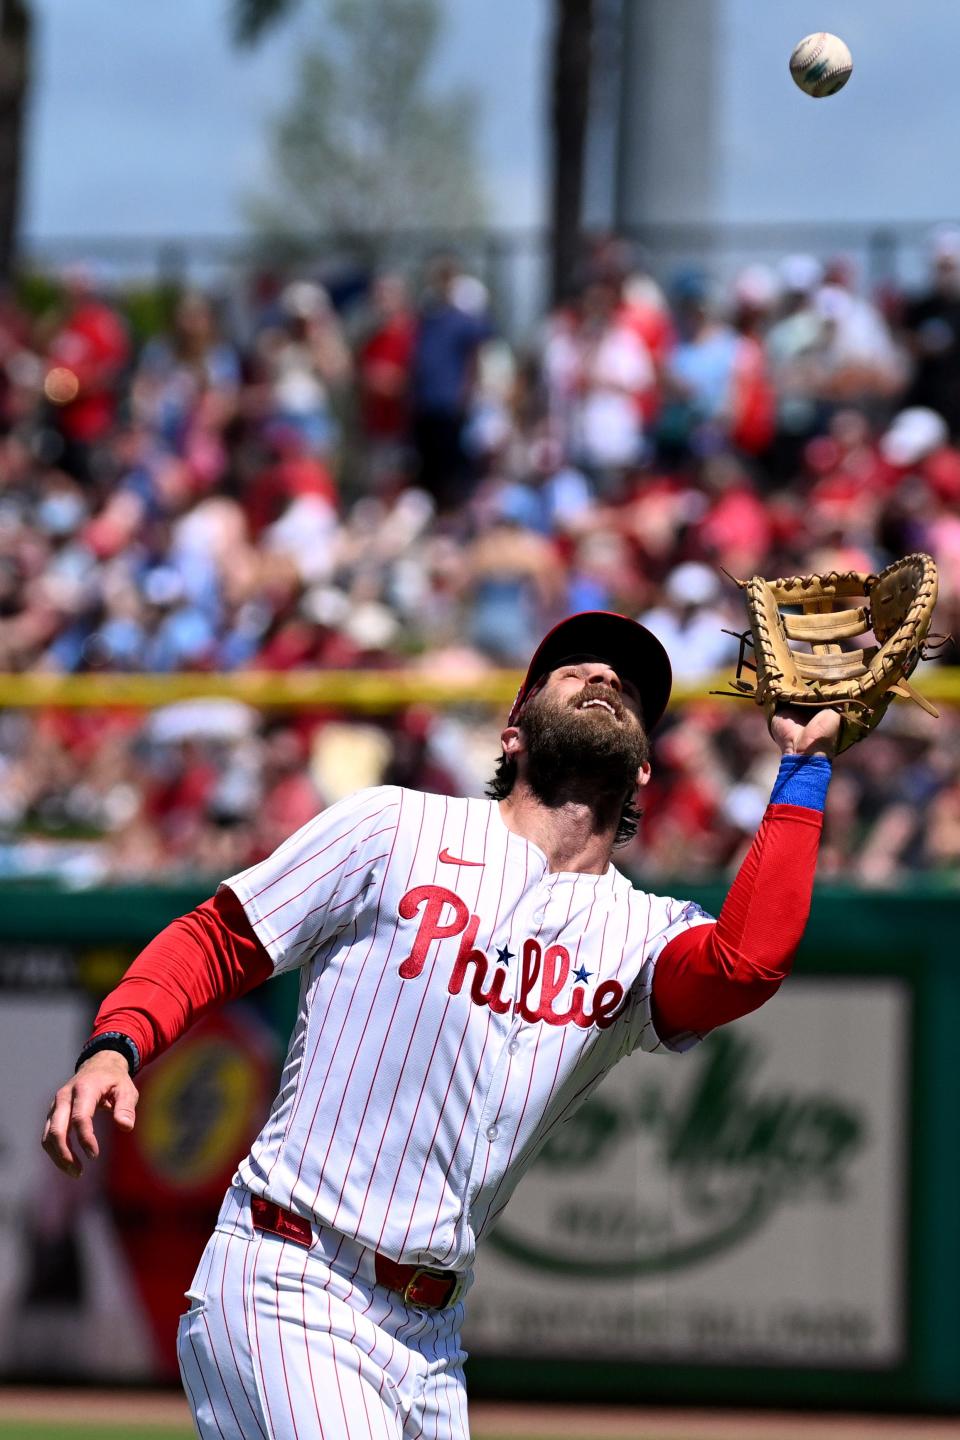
{"type": "Point", "coordinates": [456, 1289]}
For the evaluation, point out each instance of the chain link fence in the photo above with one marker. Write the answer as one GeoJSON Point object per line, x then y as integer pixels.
{"type": "Point", "coordinates": [513, 263]}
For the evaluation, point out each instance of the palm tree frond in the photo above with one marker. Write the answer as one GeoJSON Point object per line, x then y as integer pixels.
{"type": "Point", "coordinates": [250, 20]}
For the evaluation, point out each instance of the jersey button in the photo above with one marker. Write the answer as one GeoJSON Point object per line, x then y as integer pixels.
{"type": "Point", "coordinates": [492, 1132]}
{"type": "Point", "coordinates": [514, 1046]}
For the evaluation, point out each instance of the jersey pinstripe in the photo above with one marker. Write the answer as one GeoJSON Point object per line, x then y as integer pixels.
{"type": "Point", "coordinates": [458, 1001]}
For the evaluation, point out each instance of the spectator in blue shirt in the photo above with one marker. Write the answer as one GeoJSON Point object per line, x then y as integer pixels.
{"type": "Point", "coordinates": [452, 325]}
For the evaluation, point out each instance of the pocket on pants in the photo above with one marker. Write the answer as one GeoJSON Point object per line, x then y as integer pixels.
{"type": "Point", "coordinates": [196, 1303]}
{"type": "Point", "coordinates": [193, 1357]}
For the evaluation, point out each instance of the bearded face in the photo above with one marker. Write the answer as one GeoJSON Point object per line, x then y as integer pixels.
{"type": "Point", "coordinates": [589, 742]}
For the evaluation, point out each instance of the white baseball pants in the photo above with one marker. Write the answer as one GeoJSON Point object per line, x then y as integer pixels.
{"type": "Point", "coordinates": [285, 1343]}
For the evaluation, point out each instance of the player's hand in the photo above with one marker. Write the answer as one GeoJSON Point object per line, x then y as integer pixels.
{"type": "Point", "coordinates": [102, 1083]}
{"type": "Point", "coordinates": [806, 732]}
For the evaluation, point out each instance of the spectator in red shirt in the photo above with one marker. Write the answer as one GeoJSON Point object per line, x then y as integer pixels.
{"type": "Point", "coordinates": [86, 358]}
{"type": "Point", "coordinates": [384, 360]}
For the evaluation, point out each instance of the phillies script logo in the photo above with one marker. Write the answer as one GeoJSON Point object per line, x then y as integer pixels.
{"type": "Point", "coordinates": [549, 969]}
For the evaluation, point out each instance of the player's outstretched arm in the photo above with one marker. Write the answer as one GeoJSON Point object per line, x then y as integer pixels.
{"type": "Point", "coordinates": [102, 1083]}
{"type": "Point", "coordinates": [197, 963]}
{"type": "Point", "coordinates": [220, 951]}
{"type": "Point", "coordinates": [710, 975]}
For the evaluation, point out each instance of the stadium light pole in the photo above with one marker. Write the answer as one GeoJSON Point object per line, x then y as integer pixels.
{"type": "Point", "coordinates": [622, 217]}
{"type": "Point", "coordinates": [572, 57]}
{"type": "Point", "coordinates": [16, 33]}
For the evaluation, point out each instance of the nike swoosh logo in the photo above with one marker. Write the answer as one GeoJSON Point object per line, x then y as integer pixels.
{"type": "Point", "coordinates": [449, 859]}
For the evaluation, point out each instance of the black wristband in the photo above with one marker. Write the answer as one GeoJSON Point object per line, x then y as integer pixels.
{"type": "Point", "coordinates": [111, 1040]}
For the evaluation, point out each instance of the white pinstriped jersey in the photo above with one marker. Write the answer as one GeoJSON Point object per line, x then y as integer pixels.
{"type": "Point", "coordinates": [457, 1002]}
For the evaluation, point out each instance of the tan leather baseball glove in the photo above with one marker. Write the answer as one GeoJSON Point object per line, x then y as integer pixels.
{"type": "Point", "coordinates": [797, 624]}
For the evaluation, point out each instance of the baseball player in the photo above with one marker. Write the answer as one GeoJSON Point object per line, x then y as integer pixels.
{"type": "Point", "coordinates": [470, 969]}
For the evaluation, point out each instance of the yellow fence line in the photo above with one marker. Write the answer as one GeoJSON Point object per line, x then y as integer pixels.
{"type": "Point", "coordinates": [371, 691]}
{"type": "Point", "coordinates": [362, 691]}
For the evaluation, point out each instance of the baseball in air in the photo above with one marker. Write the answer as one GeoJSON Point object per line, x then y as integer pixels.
{"type": "Point", "coordinates": [821, 64]}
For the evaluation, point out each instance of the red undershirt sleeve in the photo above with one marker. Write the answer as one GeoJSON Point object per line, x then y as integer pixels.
{"type": "Point", "coordinates": [712, 974]}
{"type": "Point", "coordinates": [197, 963]}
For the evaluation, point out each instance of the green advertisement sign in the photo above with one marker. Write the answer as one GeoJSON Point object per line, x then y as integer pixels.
{"type": "Point", "coordinates": [742, 1202]}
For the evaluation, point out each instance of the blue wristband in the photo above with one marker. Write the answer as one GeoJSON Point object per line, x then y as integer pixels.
{"type": "Point", "coordinates": [802, 780]}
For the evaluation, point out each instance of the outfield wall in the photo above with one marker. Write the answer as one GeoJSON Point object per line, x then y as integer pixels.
{"type": "Point", "coordinates": [770, 1217]}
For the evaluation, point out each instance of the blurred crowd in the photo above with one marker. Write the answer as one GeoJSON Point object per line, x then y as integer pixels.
{"type": "Point", "coordinates": [311, 476]}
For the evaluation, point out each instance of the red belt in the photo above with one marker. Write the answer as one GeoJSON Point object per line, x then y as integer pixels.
{"type": "Point", "coordinates": [419, 1285]}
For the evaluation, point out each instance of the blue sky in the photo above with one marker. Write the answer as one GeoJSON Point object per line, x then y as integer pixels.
{"type": "Point", "coordinates": [145, 120]}
{"type": "Point", "coordinates": [883, 148]}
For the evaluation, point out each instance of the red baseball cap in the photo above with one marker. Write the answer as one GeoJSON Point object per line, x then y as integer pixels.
{"type": "Point", "coordinates": [634, 652]}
